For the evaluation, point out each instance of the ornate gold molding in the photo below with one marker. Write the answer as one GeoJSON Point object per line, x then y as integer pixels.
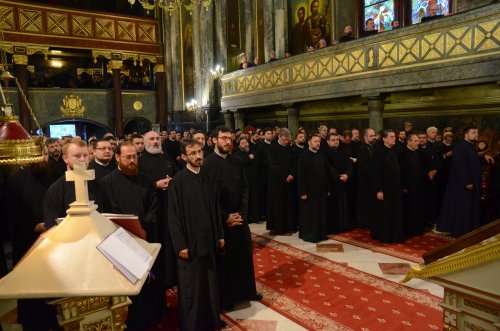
{"type": "Point", "coordinates": [72, 106]}
{"type": "Point", "coordinates": [159, 67]}
{"type": "Point", "coordinates": [20, 59]}
{"type": "Point", "coordinates": [115, 64]}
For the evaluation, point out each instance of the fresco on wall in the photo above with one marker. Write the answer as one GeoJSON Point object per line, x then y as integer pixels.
{"type": "Point", "coordinates": [186, 21]}
{"type": "Point", "coordinates": [310, 21]}
{"type": "Point", "coordinates": [419, 8]}
{"type": "Point", "coordinates": [233, 24]}
{"type": "Point", "coordinates": [382, 13]}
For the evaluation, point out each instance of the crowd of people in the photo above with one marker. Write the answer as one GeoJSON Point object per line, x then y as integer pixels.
{"type": "Point", "coordinates": [196, 194]}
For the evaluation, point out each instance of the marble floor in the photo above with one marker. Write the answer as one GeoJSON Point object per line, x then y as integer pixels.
{"type": "Point", "coordinates": [256, 316]}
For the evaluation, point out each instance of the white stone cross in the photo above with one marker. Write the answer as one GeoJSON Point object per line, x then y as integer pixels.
{"type": "Point", "coordinates": [80, 175]}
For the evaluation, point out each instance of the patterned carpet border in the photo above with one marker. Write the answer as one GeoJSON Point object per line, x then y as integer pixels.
{"type": "Point", "coordinates": [390, 249]}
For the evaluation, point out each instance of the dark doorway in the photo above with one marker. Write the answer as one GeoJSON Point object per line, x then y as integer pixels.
{"type": "Point", "coordinates": [139, 125]}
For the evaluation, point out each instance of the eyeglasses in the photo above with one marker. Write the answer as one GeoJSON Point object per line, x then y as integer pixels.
{"type": "Point", "coordinates": [104, 148]}
{"type": "Point", "coordinates": [195, 153]}
{"type": "Point", "coordinates": [226, 138]}
{"type": "Point", "coordinates": [129, 157]}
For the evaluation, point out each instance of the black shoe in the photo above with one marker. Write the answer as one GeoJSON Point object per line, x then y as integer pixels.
{"type": "Point", "coordinates": [257, 296]}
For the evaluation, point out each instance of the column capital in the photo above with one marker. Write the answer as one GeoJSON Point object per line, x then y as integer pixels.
{"type": "Point", "coordinates": [115, 64]}
{"type": "Point", "coordinates": [20, 59]}
{"type": "Point", "coordinates": [159, 67]}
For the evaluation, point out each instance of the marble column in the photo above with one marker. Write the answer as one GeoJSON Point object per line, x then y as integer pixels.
{"type": "Point", "coordinates": [198, 32]}
{"type": "Point", "coordinates": [220, 32]}
{"type": "Point", "coordinates": [248, 28]}
{"type": "Point", "coordinates": [207, 95]}
{"type": "Point", "coordinates": [293, 118]}
{"type": "Point", "coordinates": [376, 111]}
{"type": "Point", "coordinates": [21, 63]}
{"type": "Point", "coordinates": [268, 29]}
{"type": "Point", "coordinates": [280, 28]}
{"type": "Point", "coordinates": [239, 120]}
{"type": "Point", "coordinates": [176, 64]}
{"type": "Point", "coordinates": [229, 119]}
{"type": "Point", "coordinates": [115, 66]}
{"type": "Point", "coordinates": [161, 96]}
{"type": "Point", "coordinates": [165, 19]}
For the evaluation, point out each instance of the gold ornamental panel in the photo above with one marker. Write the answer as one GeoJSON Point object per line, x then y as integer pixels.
{"type": "Point", "coordinates": [82, 26]}
{"type": "Point", "coordinates": [126, 30]}
{"type": "Point", "coordinates": [57, 23]}
{"type": "Point", "coordinates": [105, 28]}
{"type": "Point", "coordinates": [7, 18]}
{"type": "Point", "coordinates": [147, 33]}
{"type": "Point", "coordinates": [72, 106]}
{"type": "Point", "coordinates": [30, 20]}
{"type": "Point", "coordinates": [20, 59]}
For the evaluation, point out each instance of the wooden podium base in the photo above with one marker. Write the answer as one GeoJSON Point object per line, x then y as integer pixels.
{"type": "Point", "coordinates": [92, 313]}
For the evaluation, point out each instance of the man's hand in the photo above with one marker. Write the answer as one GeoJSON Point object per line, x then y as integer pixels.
{"type": "Point", "coordinates": [184, 254]}
{"type": "Point", "coordinates": [251, 157]}
{"type": "Point", "coordinates": [303, 197]}
{"type": "Point", "coordinates": [40, 227]}
{"type": "Point", "coordinates": [432, 174]}
{"type": "Point", "coordinates": [289, 178]}
{"type": "Point", "coordinates": [448, 154]}
{"type": "Point", "coordinates": [380, 196]}
{"type": "Point", "coordinates": [489, 159]}
{"type": "Point", "coordinates": [234, 219]}
{"type": "Point", "coordinates": [162, 184]}
{"type": "Point", "coordinates": [344, 177]}
{"type": "Point", "coordinates": [469, 186]}
{"type": "Point", "coordinates": [220, 243]}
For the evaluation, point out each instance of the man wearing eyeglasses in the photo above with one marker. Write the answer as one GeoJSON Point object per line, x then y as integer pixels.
{"type": "Point", "coordinates": [103, 153]}
{"type": "Point", "coordinates": [236, 270]}
{"type": "Point", "coordinates": [128, 191]}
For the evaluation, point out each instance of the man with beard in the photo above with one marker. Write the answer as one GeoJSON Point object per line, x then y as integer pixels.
{"type": "Point", "coordinates": [413, 178]}
{"type": "Point", "coordinates": [323, 133]}
{"type": "Point", "coordinates": [61, 193]}
{"type": "Point", "coordinates": [197, 235]}
{"type": "Point", "coordinates": [313, 190]}
{"type": "Point", "coordinates": [401, 141]}
{"type": "Point", "coordinates": [366, 191]}
{"type": "Point", "coordinates": [340, 171]}
{"type": "Point", "coordinates": [236, 270]}
{"type": "Point", "coordinates": [281, 192]}
{"type": "Point", "coordinates": [25, 192]}
{"type": "Point", "coordinates": [161, 170]}
{"type": "Point", "coordinates": [249, 163]}
{"type": "Point", "coordinates": [427, 153]}
{"type": "Point", "coordinates": [128, 191]}
{"type": "Point", "coordinates": [199, 136]}
{"type": "Point", "coordinates": [56, 161]}
{"type": "Point", "coordinates": [299, 44]}
{"type": "Point", "coordinates": [347, 36]}
{"type": "Point", "coordinates": [445, 153]}
{"type": "Point", "coordinates": [254, 141]}
{"type": "Point", "coordinates": [263, 168]}
{"type": "Point", "coordinates": [460, 210]}
{"type": "Point", "coordinates": [103, 153]}
{"type": "Point", "coordinates": [315, 26]}
{"type": "Point", "coordinates": [172, 148]}
{"type": "Point", "coordinates": [138, 141]}
{"type": "Point", "coordinates": [388, 222]}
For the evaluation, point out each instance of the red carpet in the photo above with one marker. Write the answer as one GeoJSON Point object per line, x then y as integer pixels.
{"type": "Point", "coordinates": [411, 250]}
{"type": "Point", "coordinates": [319, 294]}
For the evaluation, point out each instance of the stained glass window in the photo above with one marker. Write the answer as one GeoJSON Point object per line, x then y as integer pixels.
{"type": "Point", "coordinates": [382, 13]}
{"type": "Point", "coordinates": [419, 8]}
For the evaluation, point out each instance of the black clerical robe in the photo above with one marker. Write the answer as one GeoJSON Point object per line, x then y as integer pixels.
{"type": "Point", "coordinates": [427, 155]}
{"type": "Point", "coordinates": [312, 180]}
{"type": "Point", "coordinates": [236, 266]}
{"type": "Point", "coordinates": [263, 168]}
{"type": "Point", "coordinates": [296, 152]}
{"type": "Point", "coordinates": [252, 175]}
{"type": "Point", "coordinates": [338, 163]}
{"type": "Point", "coordinates": [366, 193]}
{"type": "Point", "coordinates": [61, 194]}
{"type": "Point", "coordinates": [281, 193]}
{"type": "Point", "coordinates": [460, 209]}
{"type": "Point", "coordinates": [101, 170]}
{"type": "Point", "coordinates": [413, 178]}
{"type": "Point", "coordinates": [388, 217]}
{"type": "Point", "coordinates": [157, 167]}
{"type": "Point", "coordinates": [136, 195]}
{"type": "Point", "coordinates": [58, 166]}
{"type": "Point", "coordinates": [443, 172]}
{"type": "Point", "coordinates": [195, 223]}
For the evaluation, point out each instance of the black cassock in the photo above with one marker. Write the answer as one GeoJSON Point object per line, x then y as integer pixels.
{"type": "Point", "coordinates": [25, 192]}
{"type": "Point", "coordinates": [61, 194]}
{"type": "Point", "coordinates": [281, 195]}
{"type": "Point", "coordinates": [296, 152]}
{"type": "Point", "coordinates": [236, 268]}
{"type": "Point", "coordinates": [460, 209]}
{"type": "Point", "coordinates": [136, 195]}
{"type": "Point", "coordinates": [251, 172]}
{"type": "Point", "coordinates": [366, 192]}
{"type": "Point", "coordinates": [428, 158]}
{"type": "Point", "coordinates": [312, 180]}
{"type": "Point", "coordinates": [443, 172]}
{"type": "Point", "coordinates": [413, 179]}
{"type": "Point", "coordinates": [263, 168]}
{"type": "Point", "coordinates": [158, 167]}
{"type": "Point", "coordinates": [195, 224]}
{"type": "Point", "coordinates": [388, 216]}
{"type": "Point", "coordinates": [100, 170]}
{"type": "Point", "coordinates": [338, 202]}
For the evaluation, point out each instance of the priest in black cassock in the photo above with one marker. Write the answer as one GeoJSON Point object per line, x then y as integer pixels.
{"type": "Point", "coordinates": [340, 172]}
{"type": "Point", "coordinates": [161, 170]}
{"type": "Point", "coordinates": [236, 268]}
{"type": "Point", "coordinates": [195, 223]}
{"type": "Point", "coordinates": [56, 162]}
{"type": "Point", "coordinates": [460, 209]}
{"type": "Point", "coordinates": [128, 191]}
{"type": "Point", "coordinates": [445, 153]}
{"type": "Point", "coordinates": [281, 189]}
{"type": "Point", "coordinates": [25, 192]}
{"type": "Point", "coordinates": [313, 190]}
{"type": "Point", "coordinates": [250, 164]}
{"type": "Point", "coordinates": [366, 191]}
{"type": "Point", "coordinates": [388, 217]}
{"type": "Point", "coordinates": [263, 167]}
{"type": "Point", "coordinates": [413, 178]}
{"type": "Point", "coordinates": [61, 193]}
{"type": "Point", "coordinates": [103, 153]}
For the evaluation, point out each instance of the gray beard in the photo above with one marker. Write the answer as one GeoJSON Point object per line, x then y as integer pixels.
{"type": "Point", "coordinates": [153, 150]}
